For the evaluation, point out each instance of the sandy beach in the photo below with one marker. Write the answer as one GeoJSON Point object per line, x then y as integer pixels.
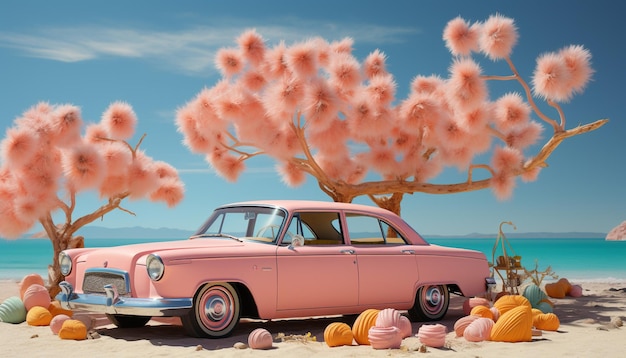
{"type": "Point", "coordinates": [585, 331]}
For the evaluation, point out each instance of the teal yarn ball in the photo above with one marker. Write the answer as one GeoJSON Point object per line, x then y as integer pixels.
{"type": "Point", "coordinates": [545, 307]}
{"type": "Point", "coordinates": [12, 310]}
{"type": "Point", "coordinates": [534, 295]}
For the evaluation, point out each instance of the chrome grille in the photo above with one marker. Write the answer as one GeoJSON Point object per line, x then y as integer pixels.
{"type": "Point", "coordinates": [95, 281]}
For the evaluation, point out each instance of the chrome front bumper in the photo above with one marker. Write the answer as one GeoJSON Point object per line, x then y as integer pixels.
{"type": "Point", "coordinates": [112, 303]}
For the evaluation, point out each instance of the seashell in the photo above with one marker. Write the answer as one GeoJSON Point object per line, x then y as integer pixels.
{"type": "Point", "coordinates": [546, 321]}
{"type": "Point", "coordinates": [385, 337]}
{"type": "Point", "coordinates": [260, 338]}
{"type": "Point", "coordinates": [461, 324]}
{"type": "Point", "coordinates": [514, 326]}
{"type": "Point", "coordinates": [29, 280]}
{"type": "Point", "coordinates": [73, 329]}
{"type": "Point", "coordinates": [405, 327]}
{"type": "Point", "coordinates": [470, 303]}
{"type": "Point", "coordinates": [482, 311]}
{"type": "Point", "coordinates": [38, 316]}
{"type": "Point", "coordinates": [432, 335]}
{"type": "Point", "coordinates": [478, 330]}
{"type": "Point", "coordinates": [36, 295]}
{"type": "Point", "coordinates": [12, 310]}
{"type": "Point", "coordinates": [508, 302]}
{"type": "Point", "coordinates": [57, 322]}
{"type": "Point", "coordinates": [240, 345]}
{"type": "Point", "coordinates": [56, 309]}
{"type": "Point", "coordinates": [362, 325]}
{"type": "Point", "coordinates": [388, 317]}
{"type": "Point", "coordinates": [576, 291]}
{"type": "Point", "coordinates": [534, 294]}
{"type": "Point", "coordinates": [617, 321]}
{"type": "Point", "coordinates": [338, 334]}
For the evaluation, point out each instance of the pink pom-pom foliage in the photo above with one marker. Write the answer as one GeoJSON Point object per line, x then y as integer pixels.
{"type": "Point", "coordinates": [315, 108]}
{"type": "Point", "coordinates": [46, 164]}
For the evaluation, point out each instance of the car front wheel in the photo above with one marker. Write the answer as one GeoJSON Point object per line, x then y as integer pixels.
{"type": "Point", "coordinates": [215, 313]}
{"type": "Point", "coordinates": [431, 303]}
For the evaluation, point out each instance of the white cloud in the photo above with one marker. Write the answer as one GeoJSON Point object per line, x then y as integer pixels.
{"type": "Point", "coordinates": [191, 50]}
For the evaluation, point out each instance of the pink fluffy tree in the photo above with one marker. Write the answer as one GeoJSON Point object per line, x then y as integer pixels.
{"type": "Point", "coordinates": [47, 162]}
{"type": "Point", "coordinates": [318, 110]}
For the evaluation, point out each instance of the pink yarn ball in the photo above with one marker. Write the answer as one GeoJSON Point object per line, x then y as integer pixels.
{"type": "Point", "coordinates": [57, 322]}
{"type": "Point", "coordinates": [470, 303]}
{"type": "Point", "coordinates": [432, 335]}
{"type": "Point", "coordinates": [260, 338]}
{"type": "Point", "coordinates": [479, 330]}
{"type": "Point", "coordinates": [496, 313]}
{"type": "Point", "coordinates": [576, 291]}
{"type": "Point", "coordinates": [385, 337]}
{"type": "Point", "coordinates": [405, 327]}
{"type": "Point", "coordinates": [36, 295]}
{"type": "Point", "coordinates": [388, 317]}
{"type": "Point", "coordinates": [461, 324]}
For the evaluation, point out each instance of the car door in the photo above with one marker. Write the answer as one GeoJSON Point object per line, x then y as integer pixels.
{"type": "Point", "coordinates": [387, 265]}
{"type": "Point", "coordinates": [320, 273]}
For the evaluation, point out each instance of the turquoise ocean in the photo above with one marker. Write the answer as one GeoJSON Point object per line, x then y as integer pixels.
{"type": "Point", "coordinates": [583, 260]}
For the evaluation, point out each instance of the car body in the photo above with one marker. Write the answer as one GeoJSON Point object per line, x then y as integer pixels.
{"type": "Point", "coordinates": [274, 259]}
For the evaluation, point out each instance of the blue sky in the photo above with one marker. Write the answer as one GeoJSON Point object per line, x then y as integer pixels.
{"type": "Point", "coordinates": [157, 55]}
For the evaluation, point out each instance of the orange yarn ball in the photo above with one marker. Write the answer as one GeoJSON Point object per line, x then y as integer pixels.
{"type": "Point", "coordinates": [73, 329]}
{"type": "Point", "coordinates": [338, 334]}
{"type": "Point", "coordinates": [508, 302]}
{"type": "Point", "coordinates": [514, 326]}
{"type": "Point", "coordinates": [482, 311]}
{"type": "Point", "coordinates": [546, 321]}
{"type": "Point", "coordinates": [38, 316]}
{"type": "Point", "coordinates": [362, 325]}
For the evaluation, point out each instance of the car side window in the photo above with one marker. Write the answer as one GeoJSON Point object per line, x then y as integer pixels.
{"type": "Point", "coordinates": [369, 230]}
{"type": "Point", "coordinates": [317, 228]}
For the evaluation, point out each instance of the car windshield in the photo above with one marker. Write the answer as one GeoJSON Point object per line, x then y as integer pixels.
{"type": "Point", "coordinates": [261, 224]}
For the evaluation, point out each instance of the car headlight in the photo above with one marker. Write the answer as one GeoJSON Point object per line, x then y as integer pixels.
{"type": "Point", "coordinates": [155, 267]}
{"type": "Point", "coordinates": [65, 263]}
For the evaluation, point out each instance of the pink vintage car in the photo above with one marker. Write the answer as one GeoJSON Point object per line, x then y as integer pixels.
{"type": "Point", "coordinates": [273, 259]}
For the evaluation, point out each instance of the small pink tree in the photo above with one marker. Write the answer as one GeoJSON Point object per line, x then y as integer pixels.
{"type": "Point", "coordinates": [47, 162]}
{"type": "Point", "coordinates": [318, 110]}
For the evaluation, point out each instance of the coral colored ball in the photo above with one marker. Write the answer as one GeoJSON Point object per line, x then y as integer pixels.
{"type": "Point", "coordinates": [29, 280]}
{"type": "Point", "coordinates": [36, 295]}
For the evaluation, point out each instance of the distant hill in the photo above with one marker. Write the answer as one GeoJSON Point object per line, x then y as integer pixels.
{"type": "Point", "coordinates": [525, 235]}
{"type": "Point", "coordinates": [136, 232]}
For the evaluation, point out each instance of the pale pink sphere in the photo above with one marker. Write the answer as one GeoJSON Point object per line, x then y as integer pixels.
{"type": "Point", "coordinates": [57, 322]}
{"type": "Point", "coordinates": [405, 326]}
{"type": "Point", "coordinates": [260, 338]}
{"type": "Point", "coordinates": [384, 337]}
{"type": "Point", "coordinates": [479, 330]}
{"type": "Point", "coordinates": [36, 295]}
{"type": "Point", "coordinates": [576, 291]}
{"type": "Point", "coordinates": [432, 335]}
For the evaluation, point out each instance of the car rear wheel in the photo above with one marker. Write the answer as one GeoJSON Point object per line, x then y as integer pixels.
{"type": "Point", "coordinates": [215, 313]}
{"type": "Point", "coordinates": [127, 321]}
{"type": "Point", "coordinates": [431, 303]}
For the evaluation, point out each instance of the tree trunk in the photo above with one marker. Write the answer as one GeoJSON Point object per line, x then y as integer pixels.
{"type": "Point", "coordinates": [55, 277]}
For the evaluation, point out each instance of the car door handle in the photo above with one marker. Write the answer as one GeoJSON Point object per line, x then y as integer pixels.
{"type": "Point", "coordinates": [347, 252]}
{"type": "Point", "coordinates": [408, 252]}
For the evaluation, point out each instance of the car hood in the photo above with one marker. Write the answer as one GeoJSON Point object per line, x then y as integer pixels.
{"type": "Point", "coordinates": [119, 256]}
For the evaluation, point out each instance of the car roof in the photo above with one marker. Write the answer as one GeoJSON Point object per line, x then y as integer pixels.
{"type": "Point", "coordinates": [313, 205]}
